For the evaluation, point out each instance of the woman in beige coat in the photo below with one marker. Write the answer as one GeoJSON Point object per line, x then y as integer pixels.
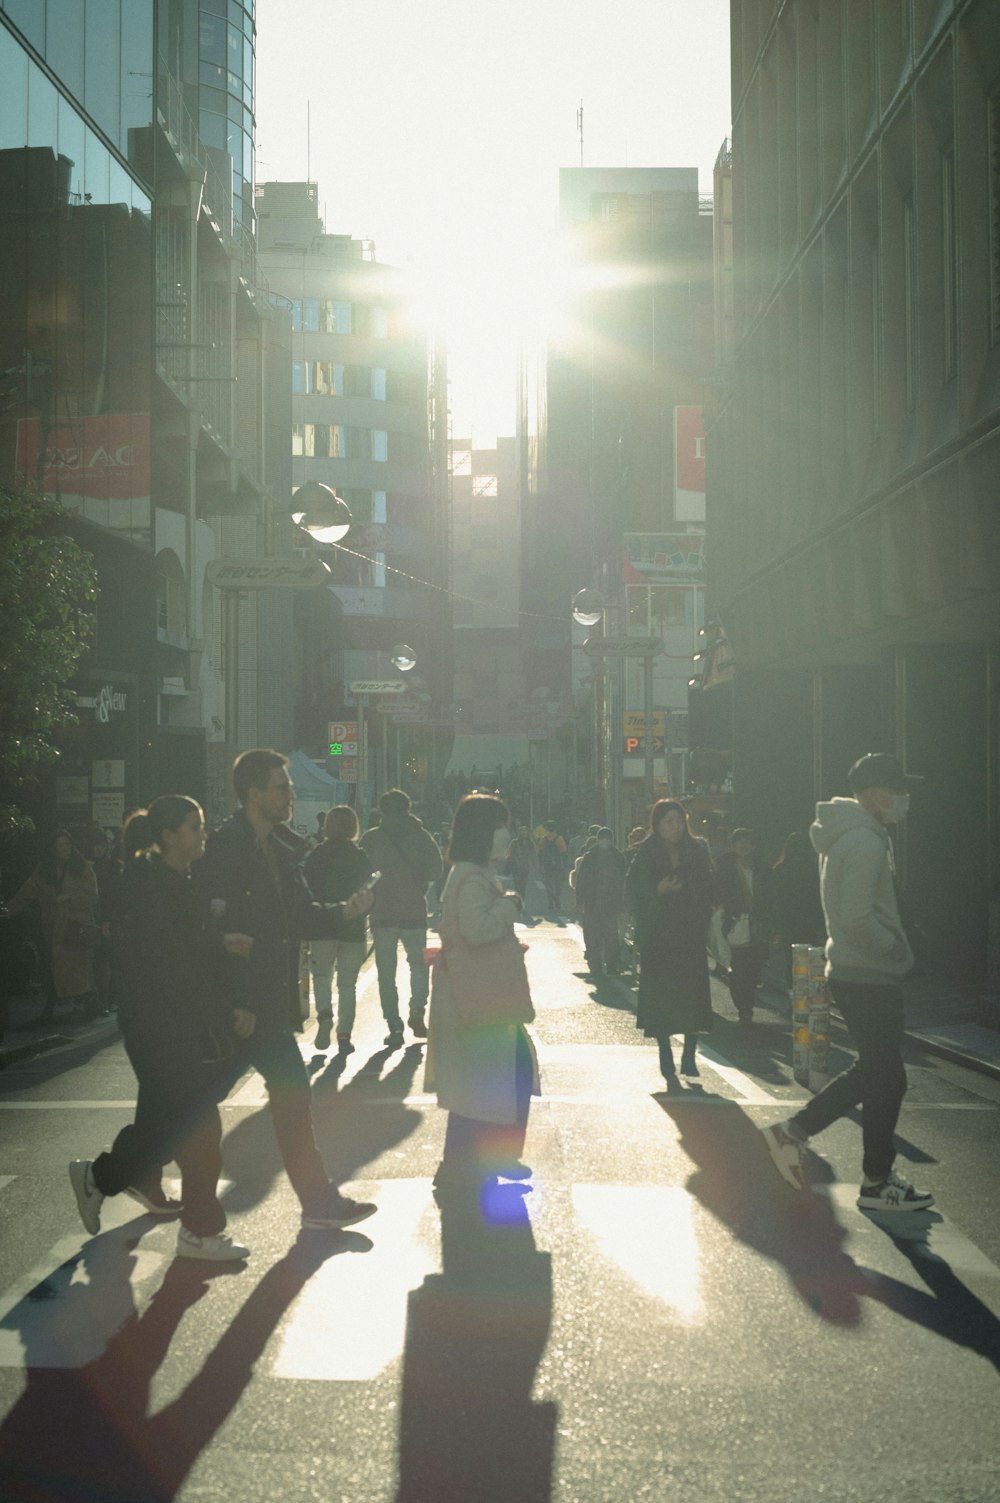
{"type": "Point", "coordinates": [65, 888]}
{"type": "Point", "coordinates": [480, 1059]}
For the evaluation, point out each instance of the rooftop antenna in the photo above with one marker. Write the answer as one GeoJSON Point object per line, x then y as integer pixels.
{"type": "Point", "coordinates": [579, 126]}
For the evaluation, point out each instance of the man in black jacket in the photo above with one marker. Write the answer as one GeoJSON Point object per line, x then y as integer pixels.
{"type": "Point", "coordinates": [250, 879]}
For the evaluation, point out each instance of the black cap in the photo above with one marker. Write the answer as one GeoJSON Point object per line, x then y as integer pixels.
{"type": "Point", "coordinates": [605, 834]}
{"type": "Point", "coordinates": [880, 770]}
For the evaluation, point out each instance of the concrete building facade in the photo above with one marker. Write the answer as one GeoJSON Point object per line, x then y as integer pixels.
{"type": "Point", "coordinates": [854, 436]}
{"type": "Point", "coordinates": [623, 501]}
{"type": "Point", "coordinates": [369, 418]}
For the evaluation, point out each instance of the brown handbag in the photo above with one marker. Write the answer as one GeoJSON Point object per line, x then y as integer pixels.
{"type": "Point", "coordinates": [489, 982]}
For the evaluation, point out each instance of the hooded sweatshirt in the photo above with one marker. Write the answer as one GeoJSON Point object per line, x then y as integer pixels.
{"type": "Point", "coordinates": [867, 943]}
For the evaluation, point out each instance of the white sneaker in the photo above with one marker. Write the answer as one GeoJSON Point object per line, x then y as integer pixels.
{"type": "Point", "coordinates": [220, 1249]}
{"type": "Point", "coordinates": [893, 1194]}
{"type": "Point", "coordinates": [88, 1197]}
{"type": "Point", "coordinates": [787, 1149]}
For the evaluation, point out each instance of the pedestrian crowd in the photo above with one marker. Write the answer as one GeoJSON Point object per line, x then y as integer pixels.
{"type": "Point", "coordinates": [200, 937]}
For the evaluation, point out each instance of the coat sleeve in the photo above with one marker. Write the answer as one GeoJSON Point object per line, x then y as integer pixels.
{"type": "Point", "coordinates": [484, 915]}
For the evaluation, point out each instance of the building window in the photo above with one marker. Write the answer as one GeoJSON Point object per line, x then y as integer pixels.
{"type": "Point", "coordinates": [949, 263]}
{"type": "Point", "coordinates": [380, 443]}
{"type": "Point", "coordinates": [378, 507]}
{"type": "Point", "coordinates": [301, 377]}
{"type": "Point", "coordinates": [378, 383]}
{"type": "Point", "coordinates": [335, 316]}
{"type": "Point", "coordinates": [484, 485]}
{"type": "Point", "coordinates": [461, 461]}
{"type": "Point", "coordinates": [328, 378]}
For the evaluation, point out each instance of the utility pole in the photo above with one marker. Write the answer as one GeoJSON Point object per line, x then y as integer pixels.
{"type": "Point", "coordinates": [579, 127]}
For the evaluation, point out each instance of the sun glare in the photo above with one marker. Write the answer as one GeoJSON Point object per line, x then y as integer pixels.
{"type": "Point", "coordinates": [493, 298]}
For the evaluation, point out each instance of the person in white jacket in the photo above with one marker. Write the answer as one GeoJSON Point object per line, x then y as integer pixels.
{"type": "Point", "coordinates": [867, 955]}
{"type": "Point", "coordinates": [480, 1057]}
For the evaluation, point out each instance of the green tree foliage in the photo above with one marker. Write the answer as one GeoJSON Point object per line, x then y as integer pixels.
{"type": "Point", "coordinates": [48, 590]}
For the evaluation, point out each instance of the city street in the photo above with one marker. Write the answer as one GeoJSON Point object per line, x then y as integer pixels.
{"type": "Point", "coordinates": [658, 1317]}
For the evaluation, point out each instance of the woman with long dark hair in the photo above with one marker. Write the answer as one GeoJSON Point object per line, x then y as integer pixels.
{"type": "Point", "coordinates": [669, 891]}
{"type": "Point", "coordinates": [174, 1030]}
{"type": "Point", "coordinates": [480, 1057]}
{"type": "Point", "coordinates": [65, 888]}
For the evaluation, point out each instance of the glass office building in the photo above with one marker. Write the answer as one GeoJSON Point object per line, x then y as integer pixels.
{"type": "Point", "coordinates": [225, 94]}
{"type": "Point", "coordinates": [76, 254]}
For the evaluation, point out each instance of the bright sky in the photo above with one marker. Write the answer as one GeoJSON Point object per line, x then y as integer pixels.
{"type": "Point", "coordinates": [438, 127]}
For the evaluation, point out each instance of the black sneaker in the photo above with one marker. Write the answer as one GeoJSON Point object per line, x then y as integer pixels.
{"type": "Point", "coordinates": [342, 1211]}
{"type": "Point", "coordinates": [893, 1194]}
{"type": "Point", "coordinates": [394, 1038]}
{"type": "Point", "coordinates": [417, 1025]}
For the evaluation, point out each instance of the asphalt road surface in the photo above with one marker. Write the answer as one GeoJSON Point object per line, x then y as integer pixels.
{"type": "Point", "coordinates": [659, 1317]}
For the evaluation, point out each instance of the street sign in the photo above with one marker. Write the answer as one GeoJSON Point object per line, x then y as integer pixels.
{"type": "Point", "coordinates": [267, 573]}
{"type": "Point", "coordinates": [635, 732]}
{"type": "Point", "coordinates": [342, 730]}
{"type": "Point", "coordinates": [376, 686]}
{"type": "Point", "coordinates": [623, 647]}
{"type": "Point", "coordinates": [385, 709]}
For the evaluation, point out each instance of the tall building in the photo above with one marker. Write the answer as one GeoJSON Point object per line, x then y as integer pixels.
{"type": "Point", "coordinates": [854, 440]}
{"type": "Point", "coordinates": [76, 332]}
{"type": "Point", "coordinates": [495, 718]}
{"type": "Point", "coordinates": [369, 418]}
{"type": "Point", "coordinates": [623, 500]}
{"type": "Point", "coordinates": [144, 376]}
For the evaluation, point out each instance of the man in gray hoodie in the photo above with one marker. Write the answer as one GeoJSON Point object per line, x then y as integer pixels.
{"type": "Point", "coordinates": [867, 955]}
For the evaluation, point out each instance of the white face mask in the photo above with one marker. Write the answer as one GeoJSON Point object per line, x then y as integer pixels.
{"type": "Point", "coordinates": [897, 808]}
{"type": "Point", "coordinates": [501, 843]}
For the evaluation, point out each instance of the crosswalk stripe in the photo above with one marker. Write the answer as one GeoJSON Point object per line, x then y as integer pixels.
{"type": "Point", "coordinates": [348, 1323]}
{"type": "Point", "coordinates": [938, 1238]}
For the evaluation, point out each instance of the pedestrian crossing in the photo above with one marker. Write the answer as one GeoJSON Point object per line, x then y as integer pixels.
{"type": "Point", "coordinates": [348, 1322]}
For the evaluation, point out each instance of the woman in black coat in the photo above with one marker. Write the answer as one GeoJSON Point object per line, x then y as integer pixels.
{"type": "Point", "coordinates": [669, 891]}
{"type": "Point", "coordinates": [175, 1027]}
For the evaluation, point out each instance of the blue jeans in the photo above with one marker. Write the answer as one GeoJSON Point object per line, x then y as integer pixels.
{"type": "Point", "coordinates": [387, 938]}
{"type": "Point", "coordinates": [348, 957]}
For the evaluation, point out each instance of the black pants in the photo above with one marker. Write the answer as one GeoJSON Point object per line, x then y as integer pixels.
{"type": "Point", "coordinates": [876, 1080]}
{"type": "Point", "coordinates": [472, 1147]}
{"type": "Point", "coordinates": [667, 1067]}
{"type": "Point", "coordinates": [747, 964]}
{"type": "Point", "coordinates": [275, 1055]}
{"type": "Point", "coordinates": [600, 939]}
{"type": "Point", "coordinates": [553, 880]}
{"type": "Point", "coordinates": [174, 1119]}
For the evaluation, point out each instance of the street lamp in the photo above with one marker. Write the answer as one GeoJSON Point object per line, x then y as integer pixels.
{"type": "Point", "coordinates": [403, 657]}
{"type": "Point", "coordinates": [588, 607]}
{"type": "Point", "coordinates": [318, 510]}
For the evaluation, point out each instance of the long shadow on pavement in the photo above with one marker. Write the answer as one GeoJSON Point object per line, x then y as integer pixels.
{"type": "Point", "coordinates": [475, 1334]}
{"type": "Point", "coordinates": [84, 1434]}
{"type": "Point", "coordinates": [353, 1126]}
{"type": "Point", "coordinates": [735, 1182]}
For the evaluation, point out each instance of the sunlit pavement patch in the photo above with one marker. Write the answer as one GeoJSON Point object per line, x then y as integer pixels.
{"type": "Point", "coordinates": [648, 1230]}
{"type": "Point", "coordinates": [349, 1322]}
{"type": "Point", "coordinates": [65, 1310]}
